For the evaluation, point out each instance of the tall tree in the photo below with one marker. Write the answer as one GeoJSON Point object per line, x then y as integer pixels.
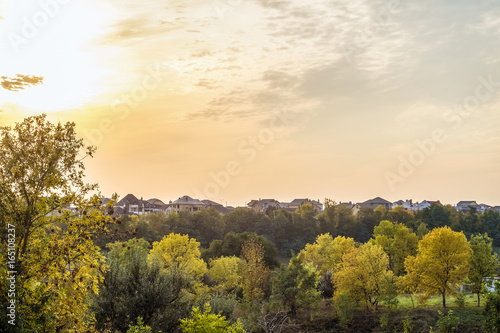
{"type": "Point", "coordinates": [443, 260]}
{"type": "Point", "coordinates": [56, 217]}
{"type": "Point", "coordinates": [484, 263]}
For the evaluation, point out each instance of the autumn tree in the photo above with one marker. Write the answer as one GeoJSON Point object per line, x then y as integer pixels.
{"type": "Point", "coordinates": [255, 273]}
{"type": "Point", "coordinates": [326, 253]}
{"type": "Point", "coordinates": [364, 273]}
{"type": "Point", "coordinates": [442, 261]}
{"type": "Point", "coordinates": [397, 241]}
{"type": "Point", "coordinates": [56, 217]}
{"type": "Point", "coordinates": [181, 253]}
{"type": "Point", "coordinates": [225, 273]}
{"type": "Point", "coordinates": [484, 263]}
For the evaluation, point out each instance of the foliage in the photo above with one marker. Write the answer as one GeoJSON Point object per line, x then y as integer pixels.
{"type": "Point", "coordinates": [461, 299]}
{"type": "Point", "coordinates": [295, 286]}
{"type": "Point", "coordinates": [326, 253]}
{"type": "Point", "coordinates": [56, 216]}
{"type": "Point", "coordinates": [208, 322]}
{"type": "Point", "coordinates": [179, 252]}
{"type": "Point", "coordinates": [442, 261]}
{"type": "Point", "coordinates": [139, 328]}
{"type": "Point", "coordinates": [447, 323]}
{"type": "Point", "coordinates": [232, 244]}
{"type": "Point", "coordinates": [254, 274]}
{"type": "Point", "coordinates": [345, 306]}
{"type": "Point", "coordinates": [492, 311]}
{"type": "Point", "coordinates": [364, 273]}
{"type": "Point", "coordinates": [224, 271]}
{"type": "Point", "coordinates": [397, 241]}
{"type": "Point", "coordinates": [484, 263]}
{"type": "Point", "coordinates": [138, 287]}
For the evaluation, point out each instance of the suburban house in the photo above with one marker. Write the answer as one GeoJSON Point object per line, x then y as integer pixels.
{"type": "Point", "coordinates": [349, 204]}
{"type": "Point", "coordinates": [375, 202]}
{"type": "Point", "coordinates": [484, 208]}
{"type": "Point", "coordinates": [131, 205]}
{"type": "Point", "coordinates": [407, 204]}
{"type": "Point", "coordinates": [220, 208]}
{"type": "Point", "coordinates": [297, 203]}
{"type": "Point", "coordinates": [186, 203]}
{"type": "Point", "coordinates": [427, 203]}
{"type": "Point", "coordinates": [262, 205]}
{"type": "Point", "coordinates": [465, 206]}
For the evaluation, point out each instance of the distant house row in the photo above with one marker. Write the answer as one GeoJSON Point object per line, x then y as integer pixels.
{"type": "Point", "coordinates": [131, 205]}
{"type": "Point", "coordinates": [262, 205]}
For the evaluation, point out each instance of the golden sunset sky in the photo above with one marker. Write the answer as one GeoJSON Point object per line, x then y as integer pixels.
{"type": "Point", "coordinates": [234, 100]}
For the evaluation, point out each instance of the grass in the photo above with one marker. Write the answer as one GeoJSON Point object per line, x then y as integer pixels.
{"type": "Point", "coordinates": [437, 302]}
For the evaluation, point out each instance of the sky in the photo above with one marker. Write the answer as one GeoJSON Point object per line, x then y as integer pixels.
{"type": "Point", "coordinates": [234, 100]}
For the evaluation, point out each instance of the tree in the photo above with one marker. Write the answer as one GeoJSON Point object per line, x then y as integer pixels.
{"type": "Point", "coordinates": [326, 253]}
{"type": "Point", "coordinates": [210, 225]}
{"type": "Point", "coordinates": [397, 241]}
{"type": "Point", "coordinates": [484, 263]}
{"type": "Point", "coordinates": [56, 217]}
{"type": "Point", "coordinates": [224, 271]}
{"type": "Point", "coordinates": [442, 261]}
{"type": "Point", "coordinates": [364, 273]}
{"type": "Point", "coordinates": [254, 274]}
{"type": "Point", "coordinates": [295, 286]}
{"type": "Point", "coordinates": [137, 286]}
{"type": "Point", "coordinates": [232, 244]}
{"type": "Point", "coordinates": [208, 322]}
{"type": "Point", "coordinates": [179, 252]}
{"type": "Point", "coordinates": [491, 311]}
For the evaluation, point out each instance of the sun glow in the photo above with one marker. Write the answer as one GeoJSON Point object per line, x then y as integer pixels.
{"type": "Point", "coordinates": [57, 50]}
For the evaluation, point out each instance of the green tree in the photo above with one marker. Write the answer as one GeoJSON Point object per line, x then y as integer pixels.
{"type": "Point", "coordinates": [295, 286]}
{"type": "Point", "coordinates": [443, 259]}
{"type": "Point", "coordinates": [208, 322]}
{"type": "Point", "coordinates": [484, 263]}
{"type": "Point", "coordinates": [397, 241]}
{"type": "Point", "coordinates": [56, 217]}
{"type": "Point", "coordinates": [232, 244]}
{"type": "Point", "coordinates": [491, 311]}
{"type": "Point", "coordinates": [137, 286]}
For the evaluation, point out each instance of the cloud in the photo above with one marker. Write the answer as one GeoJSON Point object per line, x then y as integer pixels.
{"type": "Point", "coordinates": [20, 82]}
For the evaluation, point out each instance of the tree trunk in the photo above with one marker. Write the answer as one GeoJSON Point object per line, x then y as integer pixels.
{"type": "Point", "coordinates": [444, 299]}
{"type": "Point", "coordinates": [478, 300]}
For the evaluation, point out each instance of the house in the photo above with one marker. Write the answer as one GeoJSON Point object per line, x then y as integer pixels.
{"type": "Point", "coordinates": [349, 204]}
{"type": "Point", "coordinates": [427, 203]}
{"type": "Point", "coordinates": [186, 203]}
{"type": "Point", "coordinates": [375, 202]}
{"type": "Point", "coordinates": [465, 206]}
{"type": "Point", "coordinates": [262, 205]}
{"type": "Point", "coordinates": [297, 203]}
{"type": "Point", "coordinates": [407, 204]}
{"type": "Point", "coordinates": [131, 205]}
{"type": "Point", "coordinates": [484, 208]}
{"type": "Point", "coordinates": [496, 209]}
{"type": "Point", "coordinates": [220, 208]}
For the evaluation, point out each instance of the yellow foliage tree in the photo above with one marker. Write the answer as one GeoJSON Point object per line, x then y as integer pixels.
{"type": "Point", "coordinates": [442, 261]}
{"type": "Point", "coordinates": [326, 253]}
{"type": "Point", "coordinates": [255, 273]}
{"type": "Point", "coordinates": [225, 272]}
{"type": "Point", "coordinates": [180, 252]}
{"type": "Point", "coordinates": [364, 273]}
